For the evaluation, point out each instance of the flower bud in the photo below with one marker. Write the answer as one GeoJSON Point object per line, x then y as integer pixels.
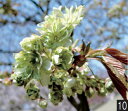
{"type": "Point", "coordinates": [70, 82]}
{"type": "Point", "coordinates": [32, 90]}
{"type": "Point", "coordinates": [43, 103]}
{"type": "Point", "coordinates": [102, 92]}
{"type": "Point", "coordinates": [20, 81]}
{"type": "Point", "coordinates": [89, 92]}
{"type": "Point", "coordinates": [109, 86]}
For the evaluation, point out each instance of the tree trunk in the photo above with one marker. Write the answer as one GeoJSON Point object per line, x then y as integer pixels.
{"type": "Point", "coordinates": [83, 105]}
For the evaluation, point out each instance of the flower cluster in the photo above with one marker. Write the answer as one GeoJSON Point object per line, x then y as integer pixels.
{"type": "Point", "coordinates": [48, 59]}
{"type": "Point", "coordinates": [58, 27]}
{"type": "Point", "coordinates": [96, 85]}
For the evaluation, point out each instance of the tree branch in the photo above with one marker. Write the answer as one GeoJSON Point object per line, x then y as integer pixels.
{"type": "Point", "coordinates": [48, 3]}
{"type": "Point", "coordinates": [73, 102]}
{"type": "Point", "coordinates": [6, 64]}
{"type": "Point", "coordinates": [3, 51]}
{"type": "Point", "coordinates": [83, 106]}
{"type": "Point", "coordinates": [59, 2]}
{"type": "Point", "coordinates": [37, 5]}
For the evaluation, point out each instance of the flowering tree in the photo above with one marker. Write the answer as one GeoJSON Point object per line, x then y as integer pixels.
{"type": "Point", "coordinates": [54, 59]}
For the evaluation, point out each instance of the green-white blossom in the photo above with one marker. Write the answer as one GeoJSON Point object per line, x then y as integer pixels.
{"type": "Point", "coordinates": [57, 28]}
{"type": "Point", "coordinates": [63, 57]}
{"type": "Point", "coordinates": [32, 43]}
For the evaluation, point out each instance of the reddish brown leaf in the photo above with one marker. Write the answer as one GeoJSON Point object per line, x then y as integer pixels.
{"type": "Point", "coordinates": [116, 72]}
{"type": "Point", "coordinates": [122, 57]}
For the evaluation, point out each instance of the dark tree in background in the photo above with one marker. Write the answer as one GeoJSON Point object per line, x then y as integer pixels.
{"type": "Point", "coordinates": [105, 22]}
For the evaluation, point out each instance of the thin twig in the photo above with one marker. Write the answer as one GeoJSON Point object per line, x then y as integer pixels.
{"type": "Point", "coordinates": [37, 5]}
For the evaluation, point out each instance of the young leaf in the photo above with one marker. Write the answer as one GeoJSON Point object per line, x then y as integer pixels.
{"type": "Point", "coordinates": [95, 53]}
{"type": "Point", "coordinates": [122, 57]}
{"type": "Point", "coordinates": [85, 48]}
{"type": "Point", "coordinates": [116, 72]}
